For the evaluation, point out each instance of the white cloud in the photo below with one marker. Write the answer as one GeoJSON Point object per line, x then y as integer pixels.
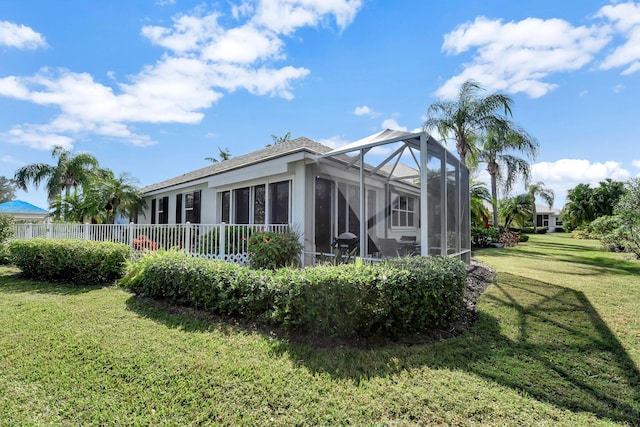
{"type": "Point", "coordinates": [517, 56]}
{"type": "Point", "coordinates": [242, 10]}
{"type": "Point", "coordinates": [203, 61]}
{"type": "Point", "coordinates": [335, 141]}
{"type": "Point", "coordinates": [364, 110]}
{"type": "Point", "coordinates": [285, 16]}
{"type": "Point", "coordinates": [392, 123]}
{"type": "Point", "coordinates": [20, 36]}
{"type": "Point", "coordinates": [618, 88]}
{"type": "Point", "coordinates": [564, 174]}
{"type": "Point", "coordinates": [626, 20]}
{"type": "Point", "coordinates": [10, 160]}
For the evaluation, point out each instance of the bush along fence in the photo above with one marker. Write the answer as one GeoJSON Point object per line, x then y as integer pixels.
{"type": "Point", "coordinates": [228, 242]}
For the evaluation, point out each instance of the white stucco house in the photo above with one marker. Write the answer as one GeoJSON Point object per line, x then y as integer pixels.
{"type": "Point", "coordinates": [548, 217]}
{"type": "Point", "coordinates": [371, 187]}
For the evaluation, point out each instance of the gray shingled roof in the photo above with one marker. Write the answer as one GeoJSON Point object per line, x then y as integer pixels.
{"type": "Point", "coordinates": [268, 153]}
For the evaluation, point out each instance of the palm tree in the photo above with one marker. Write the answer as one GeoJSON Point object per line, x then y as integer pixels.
{"type": "Point", "coordinates": [579, 208]}
{"type": "Point", "coordinates": [280, 139]}
{"type": "Point", "coordinates": [223, 154]}
{"type": "Point", "coordinates": [118, 196]}
{"type": "Point", "coordinates": [467, 117]}
{"type": "Point", "coordinates": [547, 194]}
{"type": "Point", "coordinates": [479, 195]}
{"type": "Point", "coordinates": [71, 171]}
{"type": "Point", "coordinates": [516, 209]}
{"type": "Point", "coordinates": [503, 167]}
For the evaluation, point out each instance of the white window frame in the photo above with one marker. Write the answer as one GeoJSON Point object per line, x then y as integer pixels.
{"type": "Point", "coordinates": [403, 212]}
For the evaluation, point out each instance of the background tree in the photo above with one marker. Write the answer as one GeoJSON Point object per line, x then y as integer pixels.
{"type": "Point", "coordinates": [505, 168]}
{"type": "Point", "coordinates": [539, 190]}
{"type": "Point", "coordinates": [467, 117]}
{"type": "Point", "coordinates": [280, 139]}
{"type": "Point", "coordinates": [7, 189]}
{"type": "Point", "coordinates": [627, 210]}
{"type": "Point", "coordinates": [70, 172]}
{"type": "Point", "coordinates": [578, 209]}
{"type": "Point", "coordinates": [605, 197]}
{"type": "Point", "coordinates": [516, 210]}
{"type": "Point", "coordinates": [102, 200]}
{"type": "Point", "coordinates": [478, 197]}
{"type": "Point", "coordinates": [585, 204]}
{"type": "Point", "coordinates": [118, 196]}
{"type": "Point", "coordinates": [223, 154]}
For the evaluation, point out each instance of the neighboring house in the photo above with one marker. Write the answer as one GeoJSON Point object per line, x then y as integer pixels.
{"type": "Point", "coordinates": [23, 211]}
{"type": "Point", "coordinates": [548, 217]}
{"type": "Point", "coordinates": [323, 193]}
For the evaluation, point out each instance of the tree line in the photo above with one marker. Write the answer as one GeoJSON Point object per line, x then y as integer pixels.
{"type": "Point", "coordinates": [79, 190]}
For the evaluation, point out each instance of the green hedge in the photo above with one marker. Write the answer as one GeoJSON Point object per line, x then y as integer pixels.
{"type": "Point", "coordinates": [214, 285]}
{"type": "Point", "coordinates": [392, 298]}
{"type": "Point", "coordinates": [73, 261]}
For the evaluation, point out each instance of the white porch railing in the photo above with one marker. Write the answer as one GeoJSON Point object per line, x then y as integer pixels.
{"type": "Point", "coordinates": [221, 241]}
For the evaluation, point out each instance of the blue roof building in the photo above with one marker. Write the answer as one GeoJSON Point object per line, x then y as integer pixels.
{"type": "Point", "coordinates": [23, 210]}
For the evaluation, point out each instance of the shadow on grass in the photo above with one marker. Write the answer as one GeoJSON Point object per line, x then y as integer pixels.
{"type": "Point", "coordinates": [602, 264]}
{"type": "Point", "coordinates": [14, 282]}
{"type": "Point", "coordinates": [549, 342]}
{"type": "Point", "coordinates": [188, 319]}
{"type": "Point", "coordinates": [542, 339]}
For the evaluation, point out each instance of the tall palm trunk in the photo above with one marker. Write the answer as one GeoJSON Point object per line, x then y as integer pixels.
{"type": "Point", "coordinates": [535, 215]}
{"type": "Point", "coordinates": [492, 168]}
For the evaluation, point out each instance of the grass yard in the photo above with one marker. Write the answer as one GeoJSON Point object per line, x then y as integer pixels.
{"type": "Point", "coordinates": [557, 343]}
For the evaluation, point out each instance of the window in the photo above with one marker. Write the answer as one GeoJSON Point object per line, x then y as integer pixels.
{"type": "Point", "coordinates": [279, 203]}
{"type": "Point", "coordinates": [191, 207]}
{"type": "Point", "coordinates": [252, 205]}
{"type": "Point", "coordinates": [226, 206]}
{"type": "Point", "coordinates": [348, 208]}
{"type": "Point", "coordinates": [258, 204]}
{"type": "Point", "coordinates": [558, 222]}
{"type": "Point", "coordinates": [403, 210]}
{"type": "Point", "coordinates": [241, 198]}
{"type": "Point", "coordinates": [160, 211]}
{"type": "Point", "coordinates": [542, 221]}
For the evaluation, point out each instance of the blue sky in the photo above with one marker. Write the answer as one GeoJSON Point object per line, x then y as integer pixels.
{"type": "Point", "coordinates": [153, 87]}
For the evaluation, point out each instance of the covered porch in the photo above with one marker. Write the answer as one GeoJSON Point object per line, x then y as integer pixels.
{"type": "Point", "coordinates": [404, 191]}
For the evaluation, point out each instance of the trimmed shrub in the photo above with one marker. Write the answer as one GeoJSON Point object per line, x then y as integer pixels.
{"type": "Point", "coordinates": [524, 238]}
{"type": "Point", "coordinates": [79, 262]}
{"type": "Point", "coordinates": [5, 257]}
{"type": "Point", "coordinates": [542, 230]}
{"type": "Point", "coordinates": [482, 237]}
{"type": "Point", "coordinates": [271, 250]}
{"type": "Point", "coordinates": [6, 227]}
{"type": "Point", "coordinates": [6, 231]}
{"type": "Point", "coordinates": [213, 285]}
{"type": "Point", "coordinates": [396, 297]}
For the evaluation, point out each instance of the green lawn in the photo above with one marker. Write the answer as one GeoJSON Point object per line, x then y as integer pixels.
{"type": "Point", "coordinates": [557, 343]}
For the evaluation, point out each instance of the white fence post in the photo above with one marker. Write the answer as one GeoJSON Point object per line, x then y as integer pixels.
{"type": "Point", "coordinates": [130, 234]}
{"type": "Point", "coordinates": [222, 235]}
{"type": "Point", "coordinates": [187, 237]}
{"type": "Point", "coordinates": [29, 231]}
{"type": "Point", "coordinates": [85, 231]}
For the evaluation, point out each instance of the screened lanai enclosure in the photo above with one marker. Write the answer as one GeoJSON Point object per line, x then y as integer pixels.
{"type": "Point", "coordinates": [403, 191]}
